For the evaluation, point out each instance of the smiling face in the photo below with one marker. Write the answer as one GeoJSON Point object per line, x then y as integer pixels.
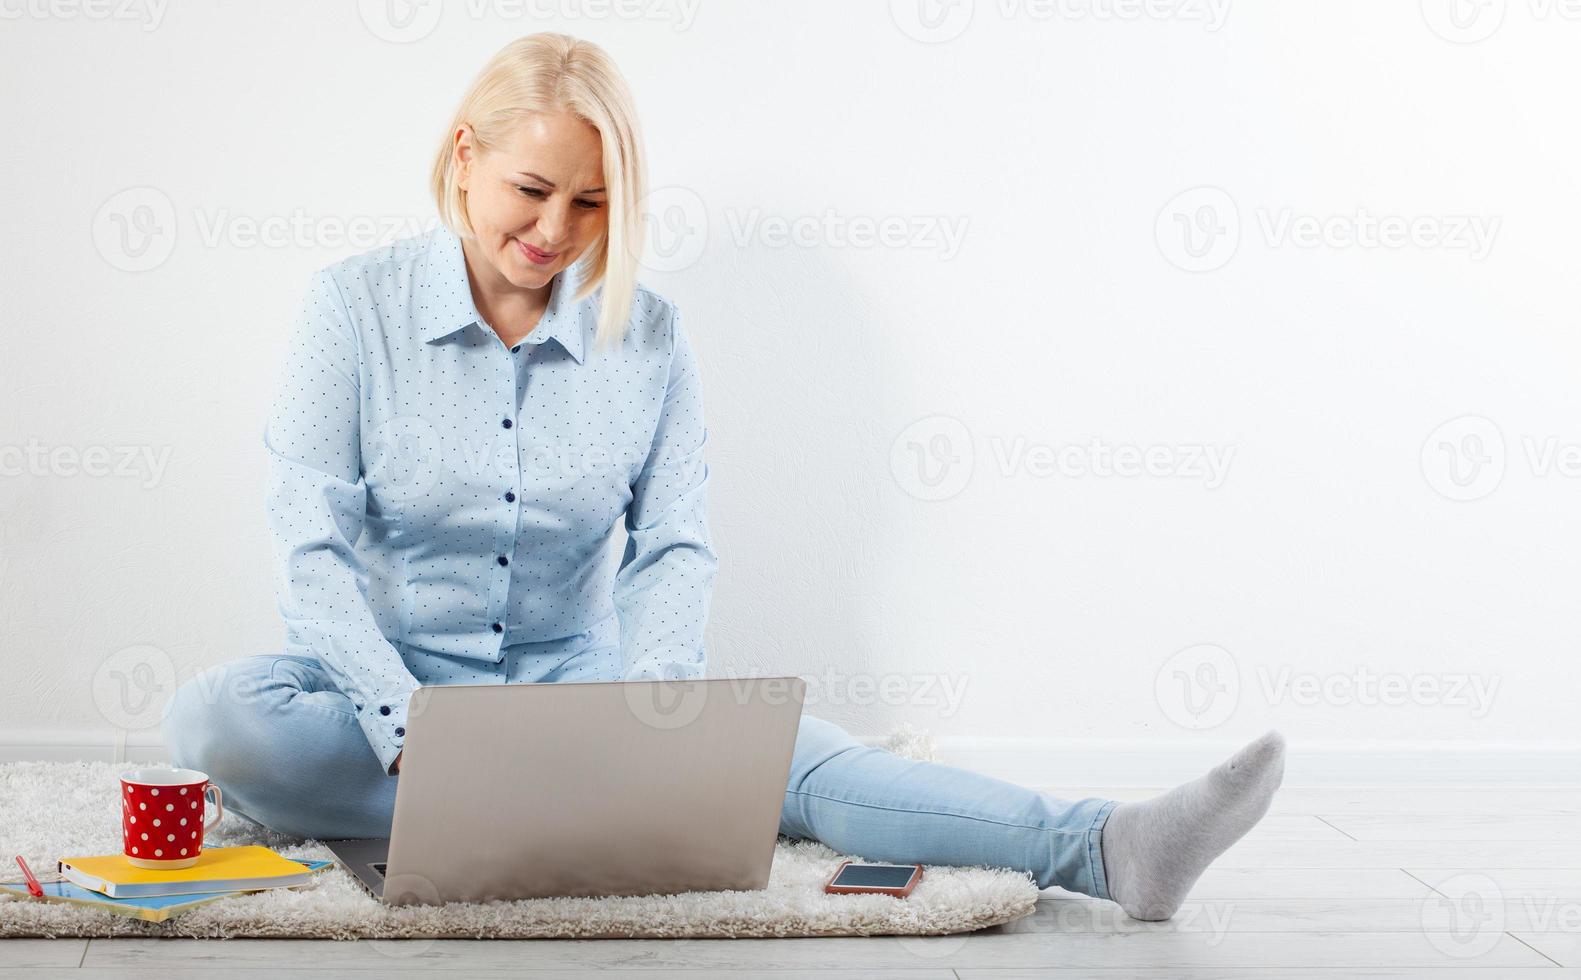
{"type": "Point", "coordinates": [536, 202]}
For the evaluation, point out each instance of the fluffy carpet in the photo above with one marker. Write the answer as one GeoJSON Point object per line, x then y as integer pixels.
{"type": "Point", "coordinates": [80, 799]}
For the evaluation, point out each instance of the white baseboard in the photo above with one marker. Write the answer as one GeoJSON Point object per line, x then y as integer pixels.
{"type": "Point", "coordinates": [1080, 763]}
{"type": "Point", "coordinates": [82, 746]}
{"type": "Point", "coordinates": [1055, 762]}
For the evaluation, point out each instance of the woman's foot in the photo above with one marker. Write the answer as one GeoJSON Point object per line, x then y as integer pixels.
{"type": "Point", "coordinates": [1155, 850]}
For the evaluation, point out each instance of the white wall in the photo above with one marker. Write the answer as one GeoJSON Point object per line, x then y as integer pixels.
{"type": "Point", "coordinates": [1065, 144]}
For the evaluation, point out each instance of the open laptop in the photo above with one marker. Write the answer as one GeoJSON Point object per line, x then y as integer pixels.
{"type": "Point", "coordinates": [603, 788]}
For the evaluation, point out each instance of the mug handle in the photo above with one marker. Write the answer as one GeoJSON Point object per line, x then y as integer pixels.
{"type": "Point", "coordinates": [219, 809]}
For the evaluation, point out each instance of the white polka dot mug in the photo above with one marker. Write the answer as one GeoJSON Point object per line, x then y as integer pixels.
{"type": "Point", "coordinates": [162, 816]}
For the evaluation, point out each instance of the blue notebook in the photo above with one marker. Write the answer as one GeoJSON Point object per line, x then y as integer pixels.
{"type": "Point", "coordinates": [154, 908]}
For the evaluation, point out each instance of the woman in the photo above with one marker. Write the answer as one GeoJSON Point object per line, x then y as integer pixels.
{"type": "Point", "coordinates": [462, 418]}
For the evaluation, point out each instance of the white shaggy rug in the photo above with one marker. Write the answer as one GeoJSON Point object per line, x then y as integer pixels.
{"type": "Point", "coordinates": [80, 799]}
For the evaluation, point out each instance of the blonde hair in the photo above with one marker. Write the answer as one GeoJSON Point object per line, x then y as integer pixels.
{"type": "Point", "coordinates": [550, 72]}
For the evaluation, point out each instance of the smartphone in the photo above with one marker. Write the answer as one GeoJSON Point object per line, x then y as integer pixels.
{"type": "Point", "coordinates": [874, 879]}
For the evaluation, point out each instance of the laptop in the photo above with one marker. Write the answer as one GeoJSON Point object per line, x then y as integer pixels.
{"type": "Point", "coordinates": [590, 788]}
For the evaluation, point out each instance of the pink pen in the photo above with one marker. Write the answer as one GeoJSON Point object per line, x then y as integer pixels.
{"type": "Point", "coordinates": [33, 887]}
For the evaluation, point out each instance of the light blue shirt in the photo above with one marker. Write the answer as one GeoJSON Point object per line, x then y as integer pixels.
{"type": "Point", "coordinates": [434, 491]}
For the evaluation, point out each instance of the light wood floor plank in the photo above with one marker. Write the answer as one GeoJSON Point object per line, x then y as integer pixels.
{"type": "Point", "coordinates": [1515, 884]}
{"type": "Point", "coordinates": [1563, 948]}
{"type": "Point", "coordinates": [1295, 826]}
{"type": "Point", "coordinates": [1401, 854]}
{"type": "Point", "coordinates": [1299, 973]}
{"type": "Point", "coordinates": [977, 950]}
{"type": "Point", "coordinates": [452, 955]}
{"type": "Point", "coordinates": [41, 954]}
{"type": "Point", "coordinates": [1548, 828]}
{"type": "Point", "coordinates": [1211, 951]}
{"type": "Point", "coordinates": [1433, 913]}
{"type": "Point", "coordinates": [1334, 883]}
{"type": "Point", "coordinates": [1285, 883]}
{"type": "Point", "coordinates": [462, 968]}
{"type": "Point", "coordinates": [1311, 799]}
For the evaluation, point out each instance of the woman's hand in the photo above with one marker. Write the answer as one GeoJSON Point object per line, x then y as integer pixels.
{"type": "Point", "coordinates": [397, 765]}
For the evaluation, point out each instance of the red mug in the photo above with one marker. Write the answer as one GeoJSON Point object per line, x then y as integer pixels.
{"type": "Point", "coordinates": [162, 816]}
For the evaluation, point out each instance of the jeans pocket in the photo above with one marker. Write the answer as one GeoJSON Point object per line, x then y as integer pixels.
{"type": "Point", "coordinates": [305, 683]}
{"type": "Point", "coordinates": [299, 670]}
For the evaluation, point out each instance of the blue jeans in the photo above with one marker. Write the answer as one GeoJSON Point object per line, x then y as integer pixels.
{"type": "Point", "coordinates": [285, 747]}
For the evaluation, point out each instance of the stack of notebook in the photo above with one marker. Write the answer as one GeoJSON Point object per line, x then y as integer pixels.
{"type": "Point", "coordinates": [110, 882]}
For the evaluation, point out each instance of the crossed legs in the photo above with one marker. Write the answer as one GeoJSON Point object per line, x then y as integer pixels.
{"type": "Point", "coordinates": [285, 747]}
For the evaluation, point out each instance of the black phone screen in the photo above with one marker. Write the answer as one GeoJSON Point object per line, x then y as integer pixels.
{"type": "Point", "coordinates": [875, 875]}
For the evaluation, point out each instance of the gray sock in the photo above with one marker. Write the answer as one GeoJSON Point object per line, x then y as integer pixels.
{"type": "Point", "coordinates": [1155, 850]}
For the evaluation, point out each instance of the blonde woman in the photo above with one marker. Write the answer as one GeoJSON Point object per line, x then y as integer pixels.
{"type": "Point", "coordinates": [424, 536]}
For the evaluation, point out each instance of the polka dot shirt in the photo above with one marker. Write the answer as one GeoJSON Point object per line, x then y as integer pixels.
{"type": "Point", "coordinates": [435, 490]}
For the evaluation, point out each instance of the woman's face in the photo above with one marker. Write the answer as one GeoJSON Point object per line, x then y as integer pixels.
{"type": "Point", "coordinates": [536, 202]}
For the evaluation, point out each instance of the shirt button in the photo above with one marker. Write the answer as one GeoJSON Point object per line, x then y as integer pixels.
{"type": "Point", "coordinates": [510, 497]}
{"type": "Point", "coordinates": [503, 560]}
{"type": "Point", "coordinates": [497, 628]}
{"type": "Point", "coordinates": [506, 422]}
{"type": "Point", "coordinates": [384, 709]}
{"type": "Point", "coordinates": [400, 731]}
{"type": "Point", "coordinates": [516, 349]}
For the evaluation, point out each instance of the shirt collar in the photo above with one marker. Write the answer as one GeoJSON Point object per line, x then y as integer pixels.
{"type": "Point", "coordinates": [446, 306]}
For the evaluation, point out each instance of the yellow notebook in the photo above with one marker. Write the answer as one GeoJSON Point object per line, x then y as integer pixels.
{"type": "Point", "coordinates": [249, 867]}
{"type": "Point", "coordinates": [152, 908]}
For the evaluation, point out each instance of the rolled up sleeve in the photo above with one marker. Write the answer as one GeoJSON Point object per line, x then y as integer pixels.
{"type": "Point", "coordinates": [317, 504]}
{"type": "Point", "coordinates": [665, 581]}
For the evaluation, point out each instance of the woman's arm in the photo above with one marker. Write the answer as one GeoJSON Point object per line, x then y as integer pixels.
{"type": "Point", "coordinates": [317, 502]}
{"type": "Point", "coordinates": [665, 581]}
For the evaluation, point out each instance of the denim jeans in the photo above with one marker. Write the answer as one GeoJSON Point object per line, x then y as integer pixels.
{"type": "Point", "coordinates": [285, 747]}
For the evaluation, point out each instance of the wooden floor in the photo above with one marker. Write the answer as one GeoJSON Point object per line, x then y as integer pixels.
{"type": "Point", "coordinates": [1482, 884]}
